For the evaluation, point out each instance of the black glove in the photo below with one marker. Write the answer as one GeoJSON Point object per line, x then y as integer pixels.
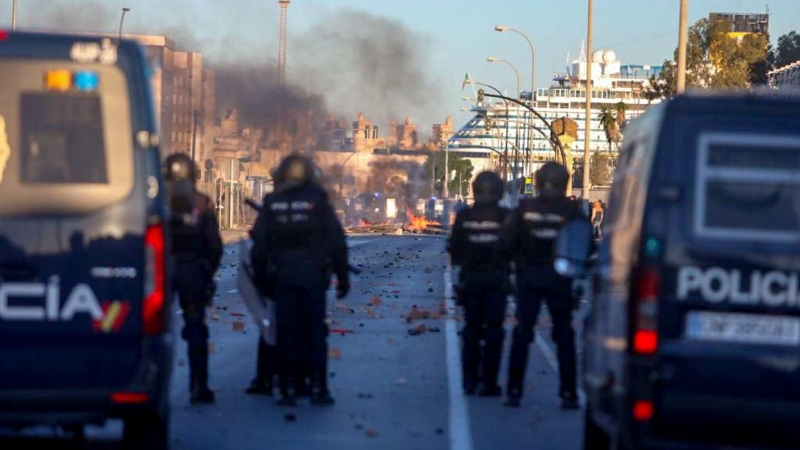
{"type": "Point", "coordinates": [578, 292]}
{"type": "Point", "coordinates": [342, 288]}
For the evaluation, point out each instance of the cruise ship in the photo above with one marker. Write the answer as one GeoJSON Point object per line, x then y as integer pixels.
{"type": "Point", "coordinates": [512, 135]}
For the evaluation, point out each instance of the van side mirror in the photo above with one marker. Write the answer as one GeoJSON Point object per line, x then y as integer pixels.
{"type": "Point", "coordinates": [573, 249]}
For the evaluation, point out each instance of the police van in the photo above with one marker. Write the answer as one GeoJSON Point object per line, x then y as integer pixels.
{"type": "Point", "coordinates": [84, 330]}
{"type": "Point", "coordinates": [693, 340]}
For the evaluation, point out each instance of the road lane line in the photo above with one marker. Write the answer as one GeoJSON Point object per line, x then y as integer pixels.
{"type": "Point", "coordinates": [551, 359]}
{"type": "Point", "coordinates": [460, 433]}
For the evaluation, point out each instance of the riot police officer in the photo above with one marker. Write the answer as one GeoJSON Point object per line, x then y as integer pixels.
{"type": "Point", "coordinates": [296, 245]}
{"type": "Point", "coordinates": [475, 247]}
{"type": "Point", "coordinates": [529, 234]}
{"type": "Point", "coordinates": [197, 252]}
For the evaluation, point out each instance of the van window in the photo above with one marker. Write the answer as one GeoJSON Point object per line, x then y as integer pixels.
{"type": "Point", "coordinates": [66, 138]}
{"type": "Point", "coordinates": [748, 187]}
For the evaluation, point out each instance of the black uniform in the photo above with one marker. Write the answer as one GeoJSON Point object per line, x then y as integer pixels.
{"type": "Point", "coordinates": [267, 357]}
{"type": "Point", "coordinates": [296, 245]}
{"type": "Point", "coordinates": [530, 234]}
{"type": "Point", "coordinates": [475, 246]}
{"type": "Point", "coordinates": [197, 250]}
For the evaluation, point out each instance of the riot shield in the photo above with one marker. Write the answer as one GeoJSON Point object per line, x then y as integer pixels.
{"type": "Point", "coordinates": [261, 309]}
{"type": "Point", "coordinates": [572, 249]}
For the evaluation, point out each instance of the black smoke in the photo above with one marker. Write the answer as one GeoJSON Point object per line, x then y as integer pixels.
{"type": "Point", "coordinates": [347, 61]}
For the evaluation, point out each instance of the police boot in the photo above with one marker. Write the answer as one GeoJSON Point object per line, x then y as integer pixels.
{"type": "Point", "coordinates": [569, 401]}
{"type": "Point", "coordinates": [198, 368]}
{"type": "Point", "coordinates": [260, 387]}
{"type": "Point", "coordinates": [265, 367]}
{"type": "Point", "coordinates": [490, 390]}
{"type": "Point", "coordinates": [288, 395]}
{"type": "Point", "coordinates": [513, 399]}
{"type": "Point", "coordinates": [320, 395]}
{"type": "Point", "coordinates": [288, 398]}
{"type": "Point", "coordinates": [202, 395]}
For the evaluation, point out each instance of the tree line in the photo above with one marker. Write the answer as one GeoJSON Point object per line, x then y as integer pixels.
{"type": "Point", "coordinates": [715, 60]}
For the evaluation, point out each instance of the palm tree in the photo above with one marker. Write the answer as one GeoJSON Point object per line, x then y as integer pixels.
{"type": "Point", "coordinates": [608, 120]}
{"type": "Point", "coordinates": [621, 108]}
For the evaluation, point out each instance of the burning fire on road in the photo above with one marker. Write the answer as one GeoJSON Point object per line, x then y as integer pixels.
{"type": "Point", "coordinates": [420, 224]}
{"type": "Point", "coordinates": [416, 224]}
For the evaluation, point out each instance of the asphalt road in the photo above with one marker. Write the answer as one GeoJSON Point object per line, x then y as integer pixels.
{"type": "Point", "coordinates": [393, 390]}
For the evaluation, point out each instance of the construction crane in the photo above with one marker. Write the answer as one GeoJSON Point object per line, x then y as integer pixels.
{"type": "Point", "coordinates": [284, 4]}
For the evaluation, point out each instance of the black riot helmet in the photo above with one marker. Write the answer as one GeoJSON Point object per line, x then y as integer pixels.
{"type": "Point", "coordinates": [487, 188]}
{"type": "Point", "coordinates": [180, 174]}
{"type": "Point", "coordinates": [294, 171]}
{"type": "Point", "coordinates": [551, 180]}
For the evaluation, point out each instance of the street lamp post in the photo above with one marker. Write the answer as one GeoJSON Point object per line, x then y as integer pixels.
{"type": "Point", "coordinates": [341, 172]}
{"type": "Point", "coordinates": [684, 16]}
{"type": "Point", "coordinates": [505, 103]}
{"type": "Point", "coordinates": [14, 16]}
{"type": "Point", "coordinates": [503, 28]}
{"type": "Point", "coordinates": [122, 20]}
{"type": "Point", "coordinates": [588, 136]}
{"type": "Point", "coordinates": [492, 59]}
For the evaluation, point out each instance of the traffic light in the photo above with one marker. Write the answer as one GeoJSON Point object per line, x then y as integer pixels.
{"type": "Point", "coordinates": [487, 123]}
{"type": "Point", "coordinates": [480, 97]}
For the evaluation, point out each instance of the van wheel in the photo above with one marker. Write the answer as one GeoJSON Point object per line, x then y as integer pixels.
{"type": "Point", "coordinates": [149, 431]}
{"type": "Point", "coordinates": [594, 437]}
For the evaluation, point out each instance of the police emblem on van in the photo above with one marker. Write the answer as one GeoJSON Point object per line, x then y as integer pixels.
{"type": "Point", "coordinates": [718, 285]}
{"type": "Point", "coordinates": [81, 300]}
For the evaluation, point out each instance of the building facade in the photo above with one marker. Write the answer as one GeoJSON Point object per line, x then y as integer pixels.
{"type": "Point", "coordinates": [185, 93]}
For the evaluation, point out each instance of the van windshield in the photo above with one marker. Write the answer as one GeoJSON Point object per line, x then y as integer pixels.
{"type": "Point", "coordinates": [66, 144]}
{"type": "Point", "coordinates": [749, 188]}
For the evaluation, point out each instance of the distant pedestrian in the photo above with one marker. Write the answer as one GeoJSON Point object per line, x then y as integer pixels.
{"type": "Point", "coordinates": [598, 213]}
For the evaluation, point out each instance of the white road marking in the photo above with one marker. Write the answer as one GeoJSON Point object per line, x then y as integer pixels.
{"type": "Point", "coordinates": [551, 359]}
{"type": "Point", "coordinates": [460, 433]}
{"type": "Point", "coordinates": [233, 291]}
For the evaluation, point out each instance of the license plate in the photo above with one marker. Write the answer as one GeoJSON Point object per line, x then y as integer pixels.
{"type": "Point", "coordinates": [743, 328]}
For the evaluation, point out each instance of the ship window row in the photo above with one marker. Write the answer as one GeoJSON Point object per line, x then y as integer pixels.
{"type": "Point", "coordinates": [598, 94]}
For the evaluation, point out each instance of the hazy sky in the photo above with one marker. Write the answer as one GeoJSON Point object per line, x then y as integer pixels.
{"type": "Point", "coordinates": [446, 38]}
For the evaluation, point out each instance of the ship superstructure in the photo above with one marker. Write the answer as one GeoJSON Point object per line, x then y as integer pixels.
{"type": "Point", "coordinates": [511, 137]}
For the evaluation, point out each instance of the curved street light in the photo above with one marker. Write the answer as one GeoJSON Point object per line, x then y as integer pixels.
{"type": "Point", "coordinates": [503, 28]}
{"type": "Point", "coordinates": [505, 103]}
{"type": "Point", "coordinates": [341, 172]}
{"type": "Point", "coordinates": [122, 20]}
{"type": "Point", "coordinates": [493, 59]}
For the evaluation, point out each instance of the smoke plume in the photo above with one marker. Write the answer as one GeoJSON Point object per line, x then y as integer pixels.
{"type": "Point", "coordinates": [348, 61]}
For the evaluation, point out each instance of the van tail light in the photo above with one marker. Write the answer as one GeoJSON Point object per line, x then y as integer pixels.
{"type": "Point", "coordinates": [129, 398]}
{"type": "Point", "coordinates": [153, 320]}
{"type": "Point", "coordinates": [646, 291]}
{"type": "Point", "coordinates": [642, 410]}
{"type": "Point", "coordinates": [3, 35]}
